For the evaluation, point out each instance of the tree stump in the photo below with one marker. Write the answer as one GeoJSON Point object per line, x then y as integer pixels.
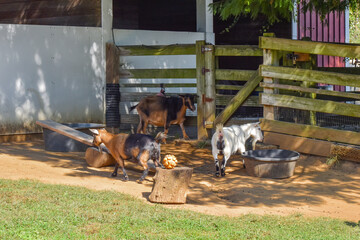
{"type": "Point", "coordinates": [96, 159]}
{"type": "Point", "coordinates": [171, 185]}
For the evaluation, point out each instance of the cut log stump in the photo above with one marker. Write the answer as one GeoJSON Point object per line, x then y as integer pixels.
{"type": "Point", "coordinates": [171, 185]}
{"type": "Point", "coordinates": [96, 159]}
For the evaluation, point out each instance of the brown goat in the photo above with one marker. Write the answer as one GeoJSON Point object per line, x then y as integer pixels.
{"type": "Point", "coordinates": [126, 146]}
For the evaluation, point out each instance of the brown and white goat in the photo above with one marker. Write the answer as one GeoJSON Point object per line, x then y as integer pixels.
{"type": "Point", "coordinates": [126, 146]}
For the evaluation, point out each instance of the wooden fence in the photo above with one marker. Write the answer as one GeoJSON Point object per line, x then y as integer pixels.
{"type": "Point", "coordinates": [296, 88]}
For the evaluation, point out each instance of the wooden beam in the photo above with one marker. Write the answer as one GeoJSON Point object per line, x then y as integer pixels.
{"type": "Point", "coordinates": [234, 75]}
{"type": "Point", "coordinates": [112, 64]}
{"type": "Point", "coordinates": [309, 104]}
{"type": "Point", "coordinates": [299, 144]}
{"type": "Point", "coordinates": [239, 98]}
{"type": "Point", "coordinates": [298, 74]}
{"type": "Point", "coordinates": [311, 90]}
{"type": "Point", "coordinates": [320, 48]}
{"type": "Point", "coordinates": [210, 90]}
{"type": "Point", "coordinates": [238, 50]}
{"type": "Point", "coordinates": [177, 49]}
{"type": "Point", "coordinates": [223, 100]}
{"type": "Point", "coordinates": [158, 73]}
{"type": "Point", "coordinates": [200, 81]}
{"type": "Point", "coordinates": [157, 85]}
{"type": "Point", "coordinates": [309, 131]}
{"type": "Point", "coordinates": [66, 131]}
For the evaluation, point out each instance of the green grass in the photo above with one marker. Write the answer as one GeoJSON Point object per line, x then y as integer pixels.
{"type": "Point", "coordinates": [33, 210]}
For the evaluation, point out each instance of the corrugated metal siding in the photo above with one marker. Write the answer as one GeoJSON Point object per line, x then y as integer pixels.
{"type": "Point", "coordinates": [332, 29]}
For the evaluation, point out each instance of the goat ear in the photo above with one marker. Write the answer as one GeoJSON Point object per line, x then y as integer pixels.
{"type": "Point", "coordinates": [94, 131]}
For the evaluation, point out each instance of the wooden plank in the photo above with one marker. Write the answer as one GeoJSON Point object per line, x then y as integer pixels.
{"type": "Point", "coordinates": [223, 100]}
{"type": "Point", "coordinates": [309, 104]}
{"type": "Point", "coordinates": [238, 50]}
{"type": "Point", "coordinates": [210, 90]}
{"type": "Point", "coordinates": [309, 131]}
{"type": "Point", "coordinates": [239, 98]}
{"type": "Point", "coordinates": [200, 78]}
{"type": "Point", "coordinates": [320, 48]}
{"type": "Point", "coordinates": [234, 75]}
{"type": "Point", "coordinates": [348, 70]}
{"type": "Point", "coordinates": [299, 144]}
{"type": "Point", "coordinates": [158, 73]}
{"type": "Point", "coordinates": [66, 131]}
{"type": "Point", "coordinates": [157, 85]}
{"type": "Point", "coordinates": [311, 90]}
{"type": "Point", "coordinates": [134, 119]}
{"type": "Point", "coordinates": [112, 64]}
{"type": "Point", "coordinates": [234, 87]}
{"type": "Point", "coordinates": [298, 74]}
{"type": "Point", "coordinates": [177, 49]}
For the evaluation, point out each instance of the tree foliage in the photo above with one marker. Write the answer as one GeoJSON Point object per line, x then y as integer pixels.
{"type": "Point", "coordinates": [277, 10]}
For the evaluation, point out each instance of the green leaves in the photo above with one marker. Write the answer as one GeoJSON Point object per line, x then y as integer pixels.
{"type": "Point", "coordinates": [277, 10]}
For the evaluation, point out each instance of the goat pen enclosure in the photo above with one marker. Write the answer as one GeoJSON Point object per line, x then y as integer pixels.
{"type": "Point", "coordinates": [298, 91]}
{"type": "Point", "coordinates": [210, 83]}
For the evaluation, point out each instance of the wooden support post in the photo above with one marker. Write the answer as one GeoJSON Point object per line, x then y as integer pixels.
{"type": "Point", "coordinates": [311, 116]}
{"type": "Point", "coordinates": [112, 64]}
{"type": "Point", "coordinates": [200, 84]}
{"type": "Point", "coordinates": [210, 92]}
{"type": "Point", "coordinates": [270, 57]}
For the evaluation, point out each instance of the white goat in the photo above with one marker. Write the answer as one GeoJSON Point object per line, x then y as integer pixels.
{"type": "Point", "coordinates": [227, 141]}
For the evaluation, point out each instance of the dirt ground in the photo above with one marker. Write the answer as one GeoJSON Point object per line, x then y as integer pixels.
{"type": "Point", "coordinates": [314, 190]}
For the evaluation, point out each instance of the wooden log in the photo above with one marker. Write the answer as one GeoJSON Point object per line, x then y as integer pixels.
{"type": "Point", "coordinates": [171, 185]}
{"type": "Point", "coordinates": [96, 159]}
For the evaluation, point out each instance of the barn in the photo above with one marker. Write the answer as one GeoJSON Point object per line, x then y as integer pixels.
{"type": "Point", "coordinates": [53, 54]}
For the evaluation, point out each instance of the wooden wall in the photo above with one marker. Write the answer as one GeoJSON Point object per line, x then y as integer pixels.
{"type": "Point", "coordinates": [54, 12]}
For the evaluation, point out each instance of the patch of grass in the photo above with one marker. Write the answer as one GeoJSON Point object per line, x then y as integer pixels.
{"type": "Point", "coordinates": [333, 161]}
{"type": "Point", "coordinates": [32, 210]}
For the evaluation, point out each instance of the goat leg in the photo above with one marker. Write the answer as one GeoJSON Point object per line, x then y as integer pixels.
{"type": "Point", "coordinates": [185, 136]}
{"type": "Point", "coordinates": [217, 167]}
{"type": "Point", "coordinates": [126, 177]}
{"type": "Point", "coordinates": [143, 176]}
{"type": "Point", "coordinates": [114, 174]}
{"type": "Point", "coordinates": [223, 164]}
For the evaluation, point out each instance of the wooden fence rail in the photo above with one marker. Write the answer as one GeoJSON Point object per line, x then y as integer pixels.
{"type": "Point", "coordinates": [296, 88]}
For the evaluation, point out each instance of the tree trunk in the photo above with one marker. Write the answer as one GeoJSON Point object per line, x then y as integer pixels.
{"type": "Point", "coordinates": [171, 185]}
{"type": "Point", "coordinates": [96, 159]}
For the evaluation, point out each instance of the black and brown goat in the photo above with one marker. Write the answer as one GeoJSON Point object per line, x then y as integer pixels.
{"type": "Point", "coordinates": [126, 146]}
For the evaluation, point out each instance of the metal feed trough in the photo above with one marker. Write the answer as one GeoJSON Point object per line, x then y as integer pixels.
{"type": "Point", "coordinates": [270, 163]}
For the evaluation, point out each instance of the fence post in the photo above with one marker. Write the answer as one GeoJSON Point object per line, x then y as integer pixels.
{"type": "Point", "coordinates": [210, 91]}
{"type": "Point", "coordinates": [270, 57]}
{"type": "Point", "coordinates": [200, 85]}
{"type": "Point", "coordinates": [112, 94]}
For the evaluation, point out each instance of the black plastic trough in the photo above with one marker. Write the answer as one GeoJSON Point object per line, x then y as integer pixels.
{"type": "Point", "coordinates": [56, 142]}
{"type": "Point", "coordinates": [270, 163]}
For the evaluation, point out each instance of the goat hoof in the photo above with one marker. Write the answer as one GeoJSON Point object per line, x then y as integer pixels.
{"type": "Point", "coordinates": [217, 174]}
{"type": "Point", "coordinates": [140, 181]}
{"type": "Point", "coordinates": [125, 179]}
{"type": "Point", "coordinates": [223, 174]}
{"type": "Point", "coordinates": [113, 174]}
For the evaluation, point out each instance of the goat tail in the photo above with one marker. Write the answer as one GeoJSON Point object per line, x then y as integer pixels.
{"type": "Point", "coordinates": [133, 107]}
{"type": "Point", "coordinates": [220, 143]}
{"type": "Point", "coordinates": [160, 136]}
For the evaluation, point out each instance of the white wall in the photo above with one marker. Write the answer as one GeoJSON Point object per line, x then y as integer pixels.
{"type": "Point", "coordinates": [49, 72]}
